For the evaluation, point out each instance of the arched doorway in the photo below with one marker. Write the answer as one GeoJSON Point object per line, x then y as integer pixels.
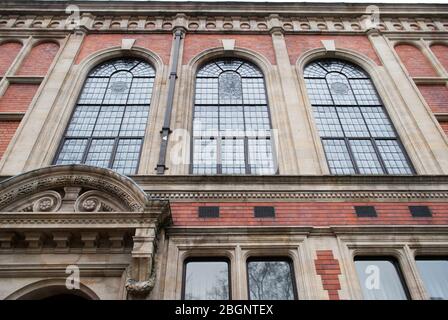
{"type": "Point", "coordinates": [52, 290]}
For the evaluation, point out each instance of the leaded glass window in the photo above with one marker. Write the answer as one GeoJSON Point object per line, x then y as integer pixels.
{"type": "Point", "coordinates": [231, 122]}
{"type": "Point", "coordinates": [357, 134]}
{"type": "Point", "coordinates": [110, 118]}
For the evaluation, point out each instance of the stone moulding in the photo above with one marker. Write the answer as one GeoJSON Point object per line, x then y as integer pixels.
{"type": "Point", "coordinates": [78, 188]}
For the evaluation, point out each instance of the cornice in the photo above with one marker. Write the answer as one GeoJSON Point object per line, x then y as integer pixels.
{"type": "Point", "coordinates": [200, 7]}
{"type": "Point", "coordinates": [308, 231]}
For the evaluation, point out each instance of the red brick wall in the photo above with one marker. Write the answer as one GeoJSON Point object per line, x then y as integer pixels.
{"type": "Point", "coordinates": [158, 43]}
{"type": "Point", "coordinates": [8, 52]}
{"type": "Point", "coordinates": [415, 61]}
{"type": "Point", "coordinates": [444, 125]}
{"type": "Point", "coordinates": [436, 96]}
{"type": "Point", "coordinates": [38, 60]}
{"type": "Point", "coordinates": [7, 130]}
{"type": "Point", "coordinates": [327, 267]}
{"type": "Point", "coordinates": [17, 97]}
{"type": "Point", "coordinates": [196, 43]}
{"type": "Point", "coordinates": [441, 52]}
{"type": "Point", "coordinates": [305, 214]}
{"type": "Point", "coordinates": [299, 44]}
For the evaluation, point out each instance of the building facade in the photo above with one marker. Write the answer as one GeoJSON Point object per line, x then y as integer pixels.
{"type": "Point", "coordinates": [194, 150]}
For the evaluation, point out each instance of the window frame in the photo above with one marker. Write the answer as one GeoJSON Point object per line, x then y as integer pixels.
{"type": "Point", "coordinates": [347, 139]}
{"type": "Point", "coordinates": [206, 259]}
{"type": "Point", "coordinates": [429, 257]}
{"type": "Point", "coordinates": [396, 264]}
{"type": "Point", "coordinates": [220, 138]}
{"type": "Point", "coordinates": [117, 138]}
{"type": "Point", "coordinates": [272, 259]}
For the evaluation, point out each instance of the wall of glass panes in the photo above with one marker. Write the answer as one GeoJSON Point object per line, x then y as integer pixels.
{"type": "Point", "coordinates": [357, 134]}
{"type": "Point", "coordinates": [109, 121]}
{"type": "Point", "coordinates": [231, 122]}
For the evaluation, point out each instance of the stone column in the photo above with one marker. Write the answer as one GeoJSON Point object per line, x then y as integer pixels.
{"type": "Point", "coordinates": [297, 153]}
{"type": "Point", "coordinates": [414, 121]}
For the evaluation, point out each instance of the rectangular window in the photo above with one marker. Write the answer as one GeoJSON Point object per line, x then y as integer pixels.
{"type": "Point", "coordinates": [380, 279]}
{"type": "Point", "coordinates": [270, 279]}
{"type": "Point", "coordinates": [206, 280]}
{"type": "Point", "coordinates": [208, 212]}
{"type": "Point", "coordinates": [264, 212]}
{"type": "Point", "coordinates": [434, 273]}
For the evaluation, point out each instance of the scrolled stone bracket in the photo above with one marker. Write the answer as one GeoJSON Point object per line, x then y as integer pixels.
{"type": "Point", "coordinates": [141, 276]}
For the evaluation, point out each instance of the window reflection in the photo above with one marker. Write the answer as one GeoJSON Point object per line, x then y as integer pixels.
{"type": "Point", "coordinates": [380, 279]}
{"type": "Point", "coordinates": [206, 280]}
{"type": "Point", "coordinates": [270, 280]}
{"type": "Point", "coordinates": [434, 273]}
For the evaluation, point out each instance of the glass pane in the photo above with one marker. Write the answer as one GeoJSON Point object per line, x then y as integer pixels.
{"type": "Point", "coordinates": [118, 88]}
{"type": "Point", "coordinates": [141, 90]}
{"type": "Point", "coordinates": [318, 91]}
{"type": "Point", "coordinates": [83, 121]}
{"type": "Point", "coordinates": [379, 280]}
{"type": "Point", "coordinates": [393, 157]}
{"type": "Point", "coordinates": [126, 158]}
{"type": "Point", "coordinates": [270, 280]}
{"type": "Point", "coordinates": [205, 122]}
{"type": "Point", "coordinates": [72, 151]}
{"type": "Point", "coordinates": [134, 121]}
{"type": "Point", "coordinates": [230, 89]}
{"type": "Point", "coordinates": [93, 91]}
{"type": "Point", "coordinates": [143, 70]}
{"type": "Point", "coordinates": [365, 92]}
{"type": "Point", "coordinates": [231, 121]}
{"type": "Point", "coordinates": [261, 159]}
{"type": "Point", "coordinates": [314, 70]}
{"type": "Point", "coordinates": [434, 274]}
{"type": "Point", "coordinates": [232, 156]}
{"type": "Point", "coordinates": [206, 91]}
{"type": "Point", "coordinates": [253, 91]}
{"type": "Point", "coordinates": [204, 156]}
{"type": "Point", "coordinates": [327, 122]}
{"type": "Point", "coordinates": [109, 121]}
{"type": "Point", "coordinates": [100, 152]}
{"type": "Point", "coordinates": [352, 122]}
{"type": "Point", "coordinates": [207, 280]}
{"type": "Point", "coordinates": [378, 123]}
{"type": "Point", "coordinates": [257, 121]}
{"type": "Point", "coordinates": [338, 157]}
{"type": "Point", "coordinates": [366, 157]}
{"type": "Point", "coordinates": [340, 89]}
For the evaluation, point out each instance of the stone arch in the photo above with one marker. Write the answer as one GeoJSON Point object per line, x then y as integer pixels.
{"type": "Point", "coordinates": [413, 58]}
{"type": "Point", "coordinates": [9, 50]}
{"type": "Point", "coordinates": [48, 288]}
{"type": "Point", "coordinates": [68, 188]}
{"type": "Point", "coordinates": [215, 53]}
{"type": "Point", "coordinates": [39, 58]}
{"type": "Point", "coordinates": [80, 74]}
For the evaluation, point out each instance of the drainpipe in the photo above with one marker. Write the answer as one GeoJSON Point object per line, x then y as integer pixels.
{"type": "Point", "coordinates": [165, 132]}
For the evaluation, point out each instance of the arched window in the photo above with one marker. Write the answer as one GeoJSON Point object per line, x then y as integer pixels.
{"type": "Point", "coordinates": [109, 121]}
{"type": "Point", "coordinates": [357, 134]}
{"type": "Point", "coordinates": [231, 122]}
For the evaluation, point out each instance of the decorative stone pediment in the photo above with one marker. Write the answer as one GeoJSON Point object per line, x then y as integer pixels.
{"type": "Point", "coordinates": [71, 188]}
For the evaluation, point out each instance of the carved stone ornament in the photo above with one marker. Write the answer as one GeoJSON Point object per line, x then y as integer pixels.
{"type": "Point", "coordinates": [71, 188]}
{"type": "Point", "coordinates": [140, 287]}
